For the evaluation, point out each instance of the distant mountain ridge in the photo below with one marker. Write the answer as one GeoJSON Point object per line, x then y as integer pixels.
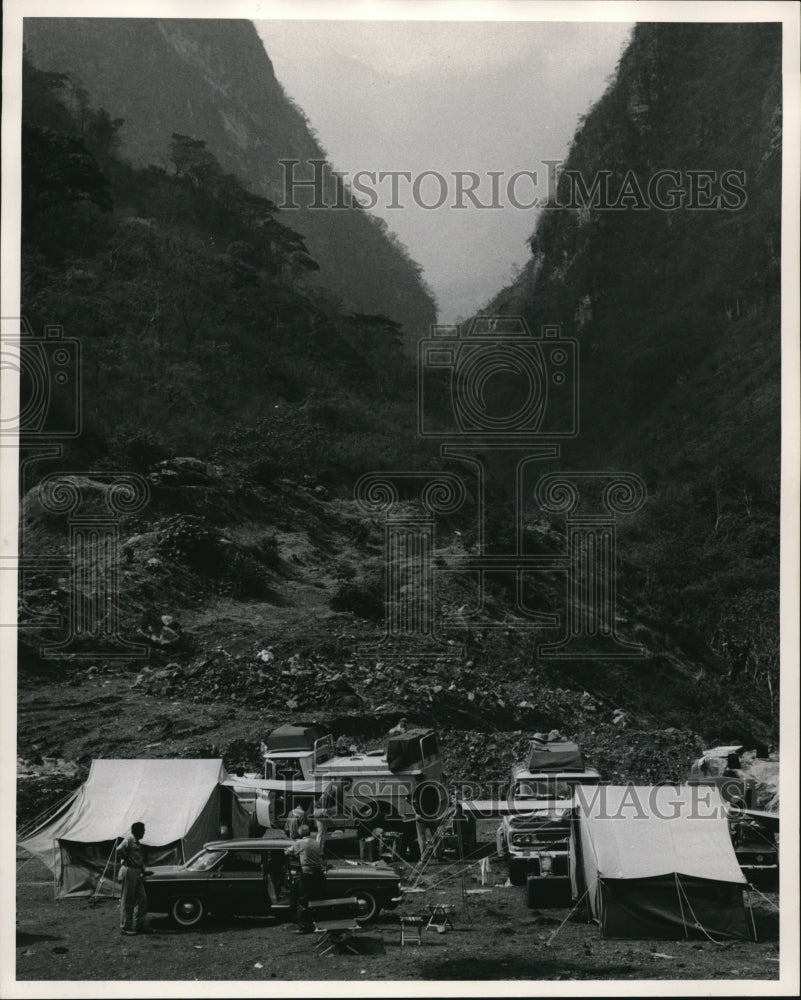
{"type": "Point", "coordinates": [213, 80]}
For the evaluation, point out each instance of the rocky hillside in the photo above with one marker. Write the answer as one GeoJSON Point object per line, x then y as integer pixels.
{"type": "Point", "coordinates": [250, 402]}
{"type": "Point", "coordinates": [259, 604]}
{"type": "Point", "coordinates": [213, 81]}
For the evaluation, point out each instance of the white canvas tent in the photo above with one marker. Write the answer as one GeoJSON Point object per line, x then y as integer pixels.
{"type": "Point", "coordinates": [658, 862]}
{"type": "Point", "coordinates": [183, 804]}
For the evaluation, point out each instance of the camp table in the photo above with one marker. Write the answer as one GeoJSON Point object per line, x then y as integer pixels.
{"type": "Point", "coordinates": [335, 922]}
{"type": "Point", "coordinates": [336, 934]}
{"type": "Point", "coordinates": [411, 929]}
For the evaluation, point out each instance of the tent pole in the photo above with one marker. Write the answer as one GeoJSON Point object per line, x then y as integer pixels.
{"type": "Point", "coordinates": [697, 923]}
{"type": "Point", "coordinates": [463, 882]}
{"type": "Point", "coordinates": [96, 893]}
{"type": "Point", "coordinates": [599, 905]}
{"type": "Point", "coordinates": [751, 915]}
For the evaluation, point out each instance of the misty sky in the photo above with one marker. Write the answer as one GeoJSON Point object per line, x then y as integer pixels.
{"type": "Point", "coordinates": [448, 96]}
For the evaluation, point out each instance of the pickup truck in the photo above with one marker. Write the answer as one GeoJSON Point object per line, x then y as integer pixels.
{"type": "Point", "coordinates": [536, 842]}
{"type": "Point", "coordinates": [550, 772]}
{"type": "Point", "coordinates": [534, 836]}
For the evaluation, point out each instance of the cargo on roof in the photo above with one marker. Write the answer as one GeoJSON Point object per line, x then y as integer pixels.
{"type": "Point", "coordinates": [293, 738]}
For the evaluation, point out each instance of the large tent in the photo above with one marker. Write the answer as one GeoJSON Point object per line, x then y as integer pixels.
{"type": "Point", "coordinates": [658, 862]}
{"type": "Point", "coordinates": [183, 804]}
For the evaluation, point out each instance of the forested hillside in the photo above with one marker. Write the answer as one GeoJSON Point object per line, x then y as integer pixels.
{"type": "Point", "coordinates": [676, 308]}
{"type": "Point", "coordinates": [191, 299]}
{"type": "Point", "coordinates": [213, 81]}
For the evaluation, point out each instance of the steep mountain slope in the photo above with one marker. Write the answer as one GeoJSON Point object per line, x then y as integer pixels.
{"type": "Point", "coordinates": [213, 81]}
{"type": "Point", "coordinates": [670, 281]}
{"type": "Point", "coordinates": [251, 576]}
{"type": "Point", "coordinates": [673, 283]}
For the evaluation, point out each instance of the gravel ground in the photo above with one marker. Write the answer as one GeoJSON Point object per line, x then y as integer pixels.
{"type": "Point", "coordinates": [496, 937]}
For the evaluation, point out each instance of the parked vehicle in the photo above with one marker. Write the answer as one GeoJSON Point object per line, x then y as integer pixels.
{"type": "Point", "coordinates": [536, 843]}
{"type": "Point", "coordinates": [754, 836]}
{"type": "Point", "coordinates": [375, 788]}
{"type": "Point", "coordinates": [255, 877]}
{"type": "Point", "coordinates": [551, 771]}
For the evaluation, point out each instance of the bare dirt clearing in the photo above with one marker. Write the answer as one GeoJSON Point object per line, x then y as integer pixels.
{"type": "Point", "coordinates": [496, 937]}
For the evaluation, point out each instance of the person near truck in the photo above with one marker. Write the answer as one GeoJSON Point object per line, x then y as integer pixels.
{"type": "Point", "coordinates": [324, 811]}
{"type": "Point", "coordinates": [311, 883]}
{"type": "Point", "coordinates": [294, 820]}
{"type": "Point", "coordinates": [133, 898]}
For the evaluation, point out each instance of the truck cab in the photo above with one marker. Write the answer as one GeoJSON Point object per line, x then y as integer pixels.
{"type": "Point", "coordinates": [548, 785]}
{"type": "Point", "coordinates": [374, 788]}
{"type": "Point", "coordinates": [551, 771]}
{"type": "Point", "coordinates": [295, 752]}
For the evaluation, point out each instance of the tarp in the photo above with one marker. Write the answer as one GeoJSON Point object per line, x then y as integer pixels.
{"type": "Point", "coordinates": [658, 862]}
{"type": "Point", "coordinates": [290, 738]}
{"type": "Point", "coordinates": [554, 757]}
{"type": "Point", "coordinates": [760, 775]}
{"type": "Point", "coordinates": [183, 804]}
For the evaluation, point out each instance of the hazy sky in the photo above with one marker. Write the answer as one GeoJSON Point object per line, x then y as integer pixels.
{"type": "Point", "coordinates": [448, 96]}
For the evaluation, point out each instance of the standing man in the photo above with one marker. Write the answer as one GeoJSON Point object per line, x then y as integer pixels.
{"type": "Point", "coordinates": [326, 809]}
{"type": "Point", "coordinates": [133, 900]}
{"type": "Point", "coordinates": [311, 884]}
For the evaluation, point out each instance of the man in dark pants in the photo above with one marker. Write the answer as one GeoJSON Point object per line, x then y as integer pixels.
{"type": "Point", "coordinates": [133, 899]}
{"type": "Point", "coordinates": [311, 884]}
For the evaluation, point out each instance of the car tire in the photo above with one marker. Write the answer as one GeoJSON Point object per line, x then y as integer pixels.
{"type": "Point", "coordinates": [369, 906]}
{"type": "Point", "coordinates": [518, 872]}
{"type": "Point", "coordinates": [188, 911]}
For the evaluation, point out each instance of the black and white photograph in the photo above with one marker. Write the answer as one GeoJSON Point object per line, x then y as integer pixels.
{"type": "Point", "coordinates": [399, 441]}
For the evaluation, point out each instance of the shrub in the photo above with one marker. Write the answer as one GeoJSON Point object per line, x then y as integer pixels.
{"type": "Point", "coordinates": [365, 599]}
{"type": "Point", "coordinates": [192, 540]}
{"type": "Point", "coordinates": [244, 573]}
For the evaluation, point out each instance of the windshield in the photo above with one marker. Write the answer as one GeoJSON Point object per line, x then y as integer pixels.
{"type": "Point", "coordinates": [551, 788]}
{"type": "Point", "coordinates": [543, 790]}
{"type": "Point", "coordinates": [204, 860]}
